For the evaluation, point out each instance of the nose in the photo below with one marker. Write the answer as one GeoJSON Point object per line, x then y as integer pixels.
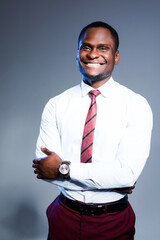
{"type": "Point", "coordinates": [93, 53]}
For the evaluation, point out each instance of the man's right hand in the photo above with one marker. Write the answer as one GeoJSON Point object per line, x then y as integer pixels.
{"type": "Point", "coordinates": [47, 167]}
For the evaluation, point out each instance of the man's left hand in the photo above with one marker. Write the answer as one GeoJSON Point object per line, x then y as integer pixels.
{"type": "Point", "coordinates": [47, 168]}
{"type": "Point", "coordinates": [126, 190]}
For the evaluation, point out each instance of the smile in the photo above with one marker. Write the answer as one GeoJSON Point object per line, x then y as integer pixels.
{"type": "Point", "coordinates": [93, 63]}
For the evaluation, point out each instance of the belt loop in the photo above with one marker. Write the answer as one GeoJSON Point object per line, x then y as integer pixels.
{"type": "Point", "coordinates": [105, 207]}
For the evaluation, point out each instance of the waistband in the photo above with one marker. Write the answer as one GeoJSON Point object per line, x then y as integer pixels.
{"type": "Point", "coordinates": [94, 209]}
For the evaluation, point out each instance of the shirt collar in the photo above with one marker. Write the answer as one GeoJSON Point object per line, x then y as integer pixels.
{"type": "Point", "coordinates": [106, 89]}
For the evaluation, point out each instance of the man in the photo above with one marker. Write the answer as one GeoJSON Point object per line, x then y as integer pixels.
{"type": "Point", "coordinates": [94, 141]}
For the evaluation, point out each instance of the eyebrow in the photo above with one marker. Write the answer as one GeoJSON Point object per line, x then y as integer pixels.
{"type": "Point", "coordinates": [91, 45]}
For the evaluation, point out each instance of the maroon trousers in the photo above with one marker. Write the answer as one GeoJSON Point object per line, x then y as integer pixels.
{"type": "Point", "coordinates": [65, 223]}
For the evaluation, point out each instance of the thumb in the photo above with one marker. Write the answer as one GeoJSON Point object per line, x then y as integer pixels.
{"type": "Point", "coordinates": [45, 150]}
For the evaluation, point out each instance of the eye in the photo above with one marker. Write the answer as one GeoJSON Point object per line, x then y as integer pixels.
{"type": "Point", "coordinates": [85, 47]}
{"type": "Point", "coordinates": [103, 48]}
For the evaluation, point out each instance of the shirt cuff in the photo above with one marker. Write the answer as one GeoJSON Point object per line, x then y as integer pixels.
{"type": "Point", "coordinates": [77, 171]}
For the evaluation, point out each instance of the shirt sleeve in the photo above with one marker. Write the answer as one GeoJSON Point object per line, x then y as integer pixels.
{"type": "Point", "coordinates": [133, 151]}
{"type": "Point", "coordinates": [49, 134]}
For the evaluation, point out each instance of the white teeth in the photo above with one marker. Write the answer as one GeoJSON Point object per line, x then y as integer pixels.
{"type": "Point", "coordinates": [93, 63]}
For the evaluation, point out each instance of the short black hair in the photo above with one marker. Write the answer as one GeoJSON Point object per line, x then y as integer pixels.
{"type": "Point", "coordinates": [104, 25]}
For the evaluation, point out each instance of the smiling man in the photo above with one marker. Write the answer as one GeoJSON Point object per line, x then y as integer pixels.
{"type": "Point", "coordinates": [94, 142]}
{"type": "Point", "coordinates": [97, 56]}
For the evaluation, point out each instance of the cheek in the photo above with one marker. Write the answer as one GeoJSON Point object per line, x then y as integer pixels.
{"type": "Point", "coordinates": [108, 55]}
{"type": "Point", "coordinates": [110, 59]}
{"type": "Point", "coordinates": [82, 56]}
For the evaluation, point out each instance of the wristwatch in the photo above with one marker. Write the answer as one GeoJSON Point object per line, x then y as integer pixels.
{"type": "Point", "coordinates": [64, 169]}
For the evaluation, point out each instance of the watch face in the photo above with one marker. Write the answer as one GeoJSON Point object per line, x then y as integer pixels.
{"type": "Point", "coordinates": [64, 169]}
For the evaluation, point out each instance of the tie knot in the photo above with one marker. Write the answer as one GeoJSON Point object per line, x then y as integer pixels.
{"type": "Point", "coordinates": [94, 93]}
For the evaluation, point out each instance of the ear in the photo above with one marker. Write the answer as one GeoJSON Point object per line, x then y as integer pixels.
{"type": "Point", "coordinates": [116, 57]}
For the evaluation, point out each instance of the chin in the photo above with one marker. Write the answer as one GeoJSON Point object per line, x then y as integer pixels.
{"type": "Point", "coordinates": [95, 78]}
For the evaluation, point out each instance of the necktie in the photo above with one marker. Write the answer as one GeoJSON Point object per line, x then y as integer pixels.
{"type": "Point", "coordinates": [88, 134]}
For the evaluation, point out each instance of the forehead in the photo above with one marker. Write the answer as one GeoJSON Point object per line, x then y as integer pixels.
{"type": "Point", "coordinates": [97, 35]}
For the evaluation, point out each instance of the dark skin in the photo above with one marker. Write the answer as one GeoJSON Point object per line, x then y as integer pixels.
{"type": "Point", "coordinates": [47, 168]}
{"type": "Point", "coordinates": [97, 56]}
{"type": "Point", "coordinates": [96, 59]}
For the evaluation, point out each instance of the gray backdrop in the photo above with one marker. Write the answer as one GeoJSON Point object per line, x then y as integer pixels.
{"type": "Point", "coordinates": [38, 60]}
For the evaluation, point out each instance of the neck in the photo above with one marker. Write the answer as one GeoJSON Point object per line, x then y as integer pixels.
{"type": "Point", "coordinates": [96, 84]}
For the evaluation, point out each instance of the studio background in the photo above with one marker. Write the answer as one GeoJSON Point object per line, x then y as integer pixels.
{"type": "Point", "coordinates": [38, 47]}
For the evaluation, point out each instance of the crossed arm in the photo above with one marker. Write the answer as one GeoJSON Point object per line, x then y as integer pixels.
{"type": "Point", "coordinates": [47, 168]}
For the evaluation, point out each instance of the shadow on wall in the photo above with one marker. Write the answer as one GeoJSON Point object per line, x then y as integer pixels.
{"type": "Point", "coordinates": [23, 223]}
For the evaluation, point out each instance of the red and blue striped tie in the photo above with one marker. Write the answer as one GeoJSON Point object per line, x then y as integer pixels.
{"type": "Point", "coordinates": [88, 134]}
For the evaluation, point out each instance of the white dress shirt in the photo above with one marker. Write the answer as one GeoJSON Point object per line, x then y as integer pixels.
{"type": "Point", "coordinates": [121, 140]}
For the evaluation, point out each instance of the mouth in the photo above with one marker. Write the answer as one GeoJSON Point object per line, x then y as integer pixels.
{"type": "Point", "coordinates": [94, 63]}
